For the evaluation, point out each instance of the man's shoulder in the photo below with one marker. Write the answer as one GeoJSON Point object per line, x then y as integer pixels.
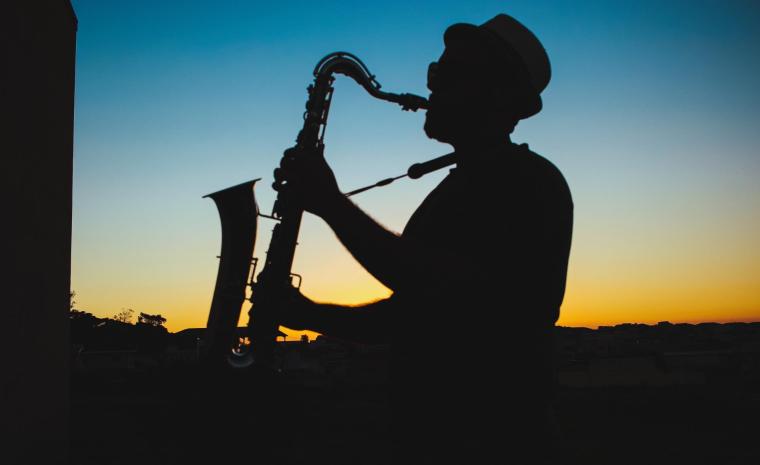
{"type": "Point", "coordinates": [535, 163]}
{"type": "Point", "coordinates": [539, 170]}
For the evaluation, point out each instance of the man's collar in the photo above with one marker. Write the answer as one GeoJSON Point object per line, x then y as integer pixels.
{"type": "Point", "coordinates": [485, 156]}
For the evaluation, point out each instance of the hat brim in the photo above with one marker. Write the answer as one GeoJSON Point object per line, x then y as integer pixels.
{"type": "Point", "coordinates": [465, 32]}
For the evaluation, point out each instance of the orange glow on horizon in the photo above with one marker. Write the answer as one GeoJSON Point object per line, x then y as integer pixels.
{"type": "Point", "coordinates": [615, 275]}
{"type": "Point", "coordinates": [591, 300]}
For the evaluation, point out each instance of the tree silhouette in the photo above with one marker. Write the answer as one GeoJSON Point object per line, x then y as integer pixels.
{"type": "Point", "coordinates": [148, 335]}
{"type": "Point", "coordinates": [152, 320]}
{"type": "Point", "coordinates": [151, 335]}
{"type": "Point", "coordinates": [83, 327]}
{"type": "Point", "coordinates": [124, 316]}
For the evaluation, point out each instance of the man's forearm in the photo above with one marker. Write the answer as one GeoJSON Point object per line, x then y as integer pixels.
{"type": "Point", "coordinates": [366, 324]}
{"type": "Point", "coordinates": [392, 261]}
{"type": "Point", "coordinates": [377, 249]}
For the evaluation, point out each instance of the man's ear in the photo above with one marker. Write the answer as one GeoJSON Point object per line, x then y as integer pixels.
{"type": "Point", "coordinates": [504, 101]}
{"type": "Point", "coordinates": [502, 105]}
{"type": "Point", "coordinates": [497, 97]}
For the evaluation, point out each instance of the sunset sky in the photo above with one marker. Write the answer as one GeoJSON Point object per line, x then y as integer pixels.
{"type": "Point", "coordinates": [651, 114]}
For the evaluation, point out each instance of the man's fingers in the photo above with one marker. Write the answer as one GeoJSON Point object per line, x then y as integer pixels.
{"type": "Point", "coordinates": [305, 178]}
{"type": "Point", "coordinates": [292, 152]}
{"type": "Point", "coordinates": [279, 179]}
{"type": "Point", "coordinates": [292, 164]}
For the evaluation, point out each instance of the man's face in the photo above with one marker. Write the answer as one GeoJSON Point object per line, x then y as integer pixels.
{"type": "Point", "coordinates": [465, 94]}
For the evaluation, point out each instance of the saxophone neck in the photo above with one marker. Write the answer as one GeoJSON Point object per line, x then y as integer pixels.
{"type": "Point", "coordinates": [408, 102]}
{"type": "Point", "coordinates": [350, 65]}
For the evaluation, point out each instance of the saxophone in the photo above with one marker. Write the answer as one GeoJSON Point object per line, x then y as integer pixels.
{"type": "Point", "coordinates": [238, 214]}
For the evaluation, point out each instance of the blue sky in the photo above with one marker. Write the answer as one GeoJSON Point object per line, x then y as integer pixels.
{"type": "Point", "coordinates": [651, 114]}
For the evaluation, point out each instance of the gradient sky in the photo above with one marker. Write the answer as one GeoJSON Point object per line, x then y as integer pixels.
{"type": "Point", "coordinates": [651, 114]}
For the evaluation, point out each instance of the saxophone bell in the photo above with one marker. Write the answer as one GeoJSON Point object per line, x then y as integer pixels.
{"type": "Point", "coordinates": [238, 214]}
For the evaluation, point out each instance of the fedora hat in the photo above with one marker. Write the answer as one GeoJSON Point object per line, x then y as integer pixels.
{"type": "Point", "coordinates": [519, 46]}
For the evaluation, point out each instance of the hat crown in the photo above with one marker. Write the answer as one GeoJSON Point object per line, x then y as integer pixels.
{"type": "Point", "coordinates": [526, 45]}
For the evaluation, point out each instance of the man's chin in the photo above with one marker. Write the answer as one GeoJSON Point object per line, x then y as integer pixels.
{"type": "Point", "coordinates": [437, 131]}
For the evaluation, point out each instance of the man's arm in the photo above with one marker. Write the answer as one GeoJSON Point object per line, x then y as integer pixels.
{"type": "Point", "coordinates": [377, 249]}
{"type": "Point", "coordinates": [369, 323]}
{"type": "Point", "coordinates": [395, 262]}
{"type": "Point", "coordinates": [307, 180]}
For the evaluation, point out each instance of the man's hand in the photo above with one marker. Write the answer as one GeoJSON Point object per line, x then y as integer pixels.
{"type": "Point", "coordinates": [306, 178]}
{"type": "Point", "coordinates": [296, 311]}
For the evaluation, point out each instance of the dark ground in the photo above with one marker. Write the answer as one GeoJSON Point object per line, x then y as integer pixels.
{"type": "Point", "coordinates": [165, 418]}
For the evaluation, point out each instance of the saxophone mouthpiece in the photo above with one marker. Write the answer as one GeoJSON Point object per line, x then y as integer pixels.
{"type": "Point", "coordinates": [412, 102]}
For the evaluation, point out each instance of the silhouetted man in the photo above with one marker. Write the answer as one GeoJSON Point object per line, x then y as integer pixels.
{"type": "Point", "coordinates": [478, 274]}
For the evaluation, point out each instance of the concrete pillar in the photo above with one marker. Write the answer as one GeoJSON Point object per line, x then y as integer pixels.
{"type": "Point", "coordinates": [37, 88]}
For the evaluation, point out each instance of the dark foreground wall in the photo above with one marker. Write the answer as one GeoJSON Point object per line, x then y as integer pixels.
{"type": "Point", "coordinates": [37, 89]}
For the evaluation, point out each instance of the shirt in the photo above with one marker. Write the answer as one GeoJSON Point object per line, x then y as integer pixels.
{"type": "Point", "coordinates": [472, 336]}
